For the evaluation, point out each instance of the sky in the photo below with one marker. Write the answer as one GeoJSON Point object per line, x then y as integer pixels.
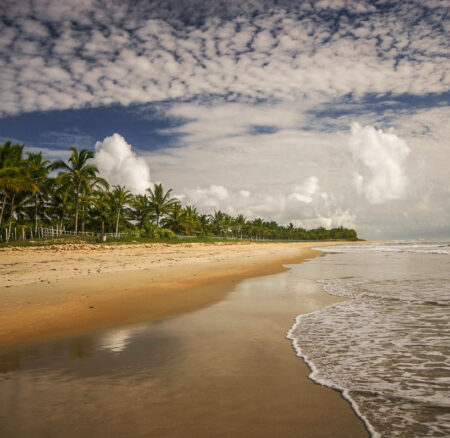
{"type": "Point", "coordinates": [319, 113]}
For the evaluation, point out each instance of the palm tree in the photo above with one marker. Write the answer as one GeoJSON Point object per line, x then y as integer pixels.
{"type": "Point", "coordinates": [101, 208]}
{"type": "Point", "coordinates": [77, 173]}
{"type": "Point", "coordinates": [38, 168]}
{"type": "Point", "coordinates": [141, 210]}
{"type": "Point", "coordinates": [14, 177]}
{"type": "Point", "coordinates": [176, 220]}
{"type": "Point", "coordinates": [160, 203]}
{"type": "Point", "coordinates": [191, 220]}
{"type": "Point", "coordinates": [10, 155]}
{"type": "Point", "coordinates": [60, 203]}
{"type": "Point", "coordinates": [219, 221]}
{"type": "Point", "coordinates": [257, 227]}
{"type": "Point", "coordinates": [204, 223]}
{"type": "Point", "coordinates": [239, 222]}
{"type": "Point", "coordinates": [120, 196]}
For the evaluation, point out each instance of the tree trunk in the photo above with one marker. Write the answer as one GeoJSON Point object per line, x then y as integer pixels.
{"type": "Point", "coordinates": [11, 214]}
{"type": "Point", "coordinates": [5, 197]}
{"type": "Point", "coordinates": [83, 219]}
{"type": "Point", "coordinates": [35, 212]}
{"type": "Point", "coordinates": [157, 220]}
{"type": "Point", "coordinates": [76, 208]}
{"type": "Point", "coordinates": [117, 221]}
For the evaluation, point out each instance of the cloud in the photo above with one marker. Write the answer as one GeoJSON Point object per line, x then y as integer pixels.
{"type": "Point", "coordinates": [119, 165]}
{"type": "Point", "coordinates": [305, 191]}
{"type": "Point", "coordinates": [146, 52]}
{"type": "Point", "coordinates": [337, 218]}
{"type": "Point", "coordinates": [381, 157]}
{"type": "Point", "coordinates": [274, 164]}
{"type": "Point", "coordinates": [259, 96]}
{"type": "Point", "coordinates": [206, 198]}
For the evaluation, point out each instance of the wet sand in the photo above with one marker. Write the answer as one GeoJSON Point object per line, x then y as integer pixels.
{"type": "Point", "coordinates": [223, 370]}
{"type": "Point", "coordinates": [53, 292]}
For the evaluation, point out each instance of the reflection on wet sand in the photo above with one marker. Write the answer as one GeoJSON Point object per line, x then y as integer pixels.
{"type": "Point", "coordinates": [225, 371]}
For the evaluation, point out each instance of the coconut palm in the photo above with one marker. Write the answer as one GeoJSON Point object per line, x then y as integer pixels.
{"type": "Point", "coordinates": [100, 209]}
{"type": "Point", "coordinates": [239, 223]}
{"type": "Point", "coordinates": [79, 174]}
{"type": "Point", "coordinates": [59, 204]}
{"type": "Point", "coordinates": [38, 168]}
{"type": "Point", "coordinates": [160, 203]}
{"type": "Point", "coordinates": [204, 223]}
{"type": "Point", "coordinates": [141, 210]}
{"type": "Point", "coordinates": [219, 221]}
{"type": "Point", "coordinates": [14, 177]}
{"type": "Point", "coordinates": [191, 220]}
{"type": "Point", "coordinates": [120, 197]}
{"type": "Point", "coordinates": [10, 155]}
{"type": "Point", "coordinates": [176, 220]}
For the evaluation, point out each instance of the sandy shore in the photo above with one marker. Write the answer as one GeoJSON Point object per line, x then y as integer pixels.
{"type": "Point", "coordinates": [46, 292]}
{"type": "Point", "coordinates": [224, 370]}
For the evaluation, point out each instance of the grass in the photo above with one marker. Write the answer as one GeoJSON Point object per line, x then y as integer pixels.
{"type": "Point", "coordinates": [126, 240]}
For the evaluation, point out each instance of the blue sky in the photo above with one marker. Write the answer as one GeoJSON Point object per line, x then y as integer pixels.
{"type": "Point", "coordinates": [321, 112]}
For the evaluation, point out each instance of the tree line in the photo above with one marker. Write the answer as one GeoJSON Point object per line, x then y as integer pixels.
{"type": "Point", "coordinates": [70, 194]}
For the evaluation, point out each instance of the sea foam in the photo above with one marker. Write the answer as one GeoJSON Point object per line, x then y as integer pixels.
{"type": "Point", "coordinates": [386, 348]}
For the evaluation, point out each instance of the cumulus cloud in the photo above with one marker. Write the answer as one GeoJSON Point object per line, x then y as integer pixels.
{"type": "Point", "coordinates": [274, 164]}
{"type": "Point", "coordinates": [118, 164]}
{"type": "Point", "coordinates": [381, 157]}
{"type": "Point", "coordinates": [206, 198]}
{"type": "Point", "coordinates": [336, 218]}
{"type": "Point", "coordinates": [305, 191]}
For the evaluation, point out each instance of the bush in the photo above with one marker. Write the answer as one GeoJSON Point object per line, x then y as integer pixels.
{"type": "Point", "coordinates": [158, 233]}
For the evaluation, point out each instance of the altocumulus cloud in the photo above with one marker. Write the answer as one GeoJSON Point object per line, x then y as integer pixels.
{"type": "Point", "coordinates": [59, 55]}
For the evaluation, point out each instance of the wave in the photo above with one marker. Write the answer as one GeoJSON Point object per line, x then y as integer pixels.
{"type": "Point", "coordinates": [315, 376]}
{"type": "Point", "coordinates": [384, 348]}
{"type": "Point", "coordinates": [393, 247]}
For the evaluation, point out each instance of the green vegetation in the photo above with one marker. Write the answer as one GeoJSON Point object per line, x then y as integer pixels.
{"type": "Point", "coordinates": [77, 200]}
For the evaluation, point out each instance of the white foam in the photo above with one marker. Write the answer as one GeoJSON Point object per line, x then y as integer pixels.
{"type": "Point", "coordinates": [314, 376]}
{"type": "Point", "coordinates": [384, 349]}
{"type": "Point", "coordinates": [415, 248]}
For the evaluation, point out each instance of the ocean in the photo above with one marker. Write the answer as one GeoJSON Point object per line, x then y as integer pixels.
{"type": "Point", "coordinates": [386, 347]}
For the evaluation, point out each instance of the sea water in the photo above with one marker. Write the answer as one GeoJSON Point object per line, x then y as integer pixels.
{"type": "Point", "coordinates": [386, 347]}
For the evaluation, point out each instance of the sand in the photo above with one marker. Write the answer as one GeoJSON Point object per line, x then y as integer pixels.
{"type": "Point", "coordinates": [48, 292]}
{"type": "Point", "coordinates": [237, 376]}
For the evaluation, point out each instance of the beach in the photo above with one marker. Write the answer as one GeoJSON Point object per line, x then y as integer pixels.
{"type": "Point", "coordinates": [159, 340]}
{"type": "Point", "coordinates": [59, 290]}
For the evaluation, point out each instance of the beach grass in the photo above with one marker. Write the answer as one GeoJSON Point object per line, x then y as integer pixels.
{"type": "Point", "coordinates": [130, 240]}
{"type": "Point", "coordinates": [125, 240]}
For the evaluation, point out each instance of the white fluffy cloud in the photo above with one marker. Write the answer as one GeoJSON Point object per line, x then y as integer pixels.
{"type": "Point", "coordinates": [118, 164]}
{"type": "Point", "coordinates": [305, 191]}
{"type": "Point", "coordinates": [206, 198]}
{"type": "Point", "coordinates": [274, 164]}
{"type": "Point", "coordinates": [304, 178]}
{"type": "Point", "coordinates": [381, 156]}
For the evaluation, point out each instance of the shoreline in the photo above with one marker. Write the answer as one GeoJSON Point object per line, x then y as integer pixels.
{"type": "Point", "coordinates": [52, 292]}
{"type": "Point", "coordinates": [233, 338]}
{"type": "Point", "coordinates": [313, 370]}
